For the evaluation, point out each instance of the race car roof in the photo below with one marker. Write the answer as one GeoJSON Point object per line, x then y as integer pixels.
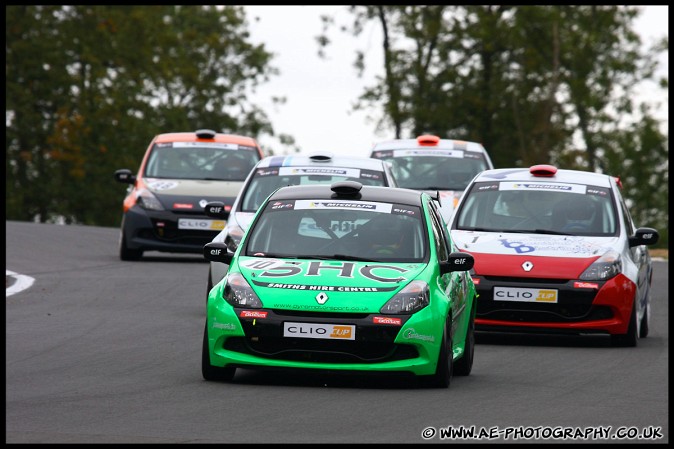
{"type": "Point", "coordinates": [192, 137]}
{"type": "Point", "coordinates": [560, 175]}
{"type": "Point", "coordinates": [324, 159]}
{"type": "Point", "coordinates": [367, 193]}
{"type": "Point", "coordinates": [443, 144]}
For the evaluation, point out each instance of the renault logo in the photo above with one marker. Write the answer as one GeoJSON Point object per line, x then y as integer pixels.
{"type": "Point", "coordinates": [321, 298]}
{"type": "Point", "coordinates": [527, 266]}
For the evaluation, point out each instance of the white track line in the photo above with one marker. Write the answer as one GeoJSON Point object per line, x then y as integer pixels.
{"type": "Point", "coordinates": [22, 282]}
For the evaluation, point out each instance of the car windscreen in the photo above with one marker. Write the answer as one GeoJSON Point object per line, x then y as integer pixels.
{"type": "Point", "coordinates": [434, 169]}
{"type": "Point", "coordinates": [266, 180]}
{"type": "Point", "coordinates": [201, 160]}
{"type": "Point", "coordinates": [339, 229]}
{"type": "Point", "coordinates": [538, 207]}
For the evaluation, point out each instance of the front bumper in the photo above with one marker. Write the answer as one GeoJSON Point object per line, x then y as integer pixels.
{"type": "Point", "coordinates": [603, 308]}
{"type": "Point", "coordinates": [158, 231]}
{"type": "Point", "coordinates": [253, 338]}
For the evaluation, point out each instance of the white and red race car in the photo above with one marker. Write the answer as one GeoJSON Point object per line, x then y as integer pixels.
{"type": "Point", "coordinates": [555, 251]}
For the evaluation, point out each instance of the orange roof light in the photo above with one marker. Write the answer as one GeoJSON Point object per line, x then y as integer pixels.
{"type": "Point", "coordinates": [428, 140]}
{"type": "Point", "coordinates": [543, 170]}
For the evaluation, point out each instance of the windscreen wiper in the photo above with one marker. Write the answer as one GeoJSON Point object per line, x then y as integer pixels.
{"type": "Point", "coordinates": [338, 257]}
{"type": "Point", "coordinates": [537, 231]}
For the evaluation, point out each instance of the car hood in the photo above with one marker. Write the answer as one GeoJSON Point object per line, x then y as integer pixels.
{"type": "Point", "coordinates": [244, 219]}
{"type": "Point", "coordinates": [326, 285]}
{"type": "Point", "coordinates": [448, 201]}
{"type": "Point", "coordinates": [192, 194]}
{"type": "Point", "coordinates": [532, 255]}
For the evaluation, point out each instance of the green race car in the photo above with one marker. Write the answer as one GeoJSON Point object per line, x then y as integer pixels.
{"type": "Point", "coordinates": [343, 278]}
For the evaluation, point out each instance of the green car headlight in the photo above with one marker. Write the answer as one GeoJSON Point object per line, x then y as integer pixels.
{"type": "Point", "coordinates": [238, 292]}
{"type": "Point", "coordinates": [604, 268]}
{"type": "Point", "coordinates": [414, 297]}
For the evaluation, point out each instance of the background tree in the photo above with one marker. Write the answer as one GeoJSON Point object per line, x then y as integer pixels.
{"type": "Point", "coordinates": [533, 84]}
{"type": "Point", "coordinates": [89, 86]}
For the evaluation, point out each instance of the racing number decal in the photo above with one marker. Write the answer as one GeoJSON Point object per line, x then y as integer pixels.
{"type": "Point", "coordinates": [519, 247]}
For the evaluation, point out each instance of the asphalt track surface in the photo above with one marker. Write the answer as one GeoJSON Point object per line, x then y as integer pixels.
{"type": "Point", "coordinates": [104, 351]}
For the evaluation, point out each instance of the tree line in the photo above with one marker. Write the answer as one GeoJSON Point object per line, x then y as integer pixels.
{"type": "Point", "coordinates": [88, 86]}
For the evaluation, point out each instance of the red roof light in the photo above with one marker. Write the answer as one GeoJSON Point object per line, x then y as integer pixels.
{"type": "Point", "coordinates": [543, 170]}
{"type": "Point", "coordinates": [428, 140]}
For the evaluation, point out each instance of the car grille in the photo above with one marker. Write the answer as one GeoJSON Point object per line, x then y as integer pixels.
{"type": "Point", "coordinates": [306, 314]}
{"type": "Point", "coordinates": [321, 351]}
{"type": "Point", "coordinates": [550, 314]}
{"type": "Point", "coordinates": [169, 232]}
{"type": "Point", "coordinates": [573, 305]}
{"type": "Point", "coordinates": [510, 281]}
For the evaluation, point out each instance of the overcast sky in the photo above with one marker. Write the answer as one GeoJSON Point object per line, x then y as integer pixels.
{"type": "Point", "coordinates": [321, 92]}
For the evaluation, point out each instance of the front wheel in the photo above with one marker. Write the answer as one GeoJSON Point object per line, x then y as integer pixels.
{"type": "Point", "coordinates": [210, 372]}
{"type": "Point", "coordinates": [126, 253]}
{"type": "Point", "coordinates": [443, 371]}
{"type": "Point", "coordinates": [209, 284]}
{"type": "Point", "coordinates": [630, 338]}
{"type": "Point", "coordinates": [464, 365]}
{"type": "Point", "coordinates": [646, 318]}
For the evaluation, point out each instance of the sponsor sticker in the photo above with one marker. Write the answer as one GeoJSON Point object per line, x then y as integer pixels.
{"type": "Point", "coordinates": [343, 205]}
{"type": "Point", "coordinates": [387, 320]}
{"type": "Point", "coordinates": [430, 152]}
{"type": "Point", "coordinates": [156, 185]}
{"type": "Point", "coordinates": [224, 146]}
{"type": "Point", "coordinates": [579, 284]}
{"type": "Point", "coordinates": [200, 224]}
{"type": "Point", "coordinates": [253, 314]}
{"type": "Point", "coordinates": [325, 171]}
{"type": "Point", "coordinates": [547, 186]}
{"type": "Point", "coordinates": [320, 330]}
{"type": "Point", "coordinates": [525, 294]}
{"type": "Point", "coordinates": [412, 334]}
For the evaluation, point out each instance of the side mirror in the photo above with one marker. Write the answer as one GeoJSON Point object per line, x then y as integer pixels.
{"type": "Point", "coordinates": [125, 176]}
{"type": "Point", "coordinates": [457, 262]}
{"type": "Point", "coordinates": [216, 209]}
{"type": "Point", "coordinates": [644, 236]}
{"type": "Point", "coordinates": [217, 252]}
{"type": "Point", "coordinates": [434, 194]}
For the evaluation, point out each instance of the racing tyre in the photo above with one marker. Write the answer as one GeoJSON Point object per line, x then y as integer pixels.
{"type": "Point", "coordinates": [643, 329]}
{"type": "Point", "coordinates": [464, 365]}
{"type": "Point", "coordinates": [209, 284]}
{"type": "Point", "coordinates": [210, 372]}
{"type": "Point", "coordinates": [443, 372]}
{"type": "Point", "coordinates": [630, 338]}
{"type": "Point", "coordinates": [126, 253]}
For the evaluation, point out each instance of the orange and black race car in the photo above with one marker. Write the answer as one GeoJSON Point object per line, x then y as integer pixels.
{"type": "Point", "coordinates": [179, 174]}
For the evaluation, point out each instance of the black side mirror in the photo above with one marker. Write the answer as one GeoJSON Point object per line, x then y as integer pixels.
{"type": "Point", "coordinates": [216, 209]}
{"type": "Point", "coordinates": [217, 252]}
{"type": "Point", "coordinates": [125, 176]}
{"type": "Point", "coordinates": [457, 262]}
{"type": "Point", "coordinates": [644, 236]}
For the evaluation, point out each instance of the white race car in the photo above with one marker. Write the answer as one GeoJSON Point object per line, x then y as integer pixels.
{"type": "Point", "coordinates": [430, 163]}
{"type": "Point", "coordinates": [273, 172]}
